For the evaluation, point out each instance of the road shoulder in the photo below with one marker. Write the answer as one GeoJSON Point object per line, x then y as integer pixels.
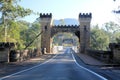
{"type": "Point", "coordinates": [13, 67]}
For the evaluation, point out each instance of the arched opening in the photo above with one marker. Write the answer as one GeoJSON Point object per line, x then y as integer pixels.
{"type": "Point", "coordinates": [63, 40]}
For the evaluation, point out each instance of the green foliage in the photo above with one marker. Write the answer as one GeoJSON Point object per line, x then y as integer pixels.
{"type": "Point", "coordinates": [58, 38]}
{"type": "Point", "coordinates": [118, 40]}
{"type": "Point", "coordinates": [109, 33]}
{"type": "Point", "coordinates": [1, 33]}
{"type": "Point", "coordinates": [111, 27]}
{"type": "Point", "coordinates": [34, 30]}
{"type": "Point", "coordinates": [23, 27]}
{"type": "Point", "coordinates": [101, 38]}
{"type": "Point", "coordinates": [28, 32]}
{"type": "Point", "coordinates": [113, 31]}
{"type": "Point", "coordinates": [19, 32]}
{"type": "Point", "coordinates": [11, 10]}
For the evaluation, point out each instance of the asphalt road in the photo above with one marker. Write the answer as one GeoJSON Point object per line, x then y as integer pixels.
{"type": "Point", "coordinates": [61, 67]}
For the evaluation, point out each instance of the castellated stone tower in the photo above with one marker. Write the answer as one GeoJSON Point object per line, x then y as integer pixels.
{"type": "Point", "coordinates": [84, 20]}
{"type": "Point", "coordinates": [45, 21]}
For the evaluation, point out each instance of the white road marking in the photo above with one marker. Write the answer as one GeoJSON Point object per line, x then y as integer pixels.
{"type": "Point", "coordinates": [49, 61]}
{"type": "Point", "coordinates": [103, 78]}
{"type": "Point", "coordinates": [2, 78]}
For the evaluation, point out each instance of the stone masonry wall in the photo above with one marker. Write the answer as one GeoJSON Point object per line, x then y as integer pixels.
{"type": "Point", "coordinates": [4, 55]}
{"type": "Point", "coordinates": [45, 21]}
{"type": "Point", "coordinates": [116, 53]}
{"type": "Point", "coordinates": [84, 20]}
{"type": "Point", "coordinates": [84, 28]}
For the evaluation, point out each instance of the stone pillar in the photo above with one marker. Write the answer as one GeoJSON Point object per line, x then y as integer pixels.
{"type": "Point", "coordinates": [45, 21]}
{"type": "Point", "coordinates": [84, 20]}
{"type": "Point", "coordinates": [4, 54]}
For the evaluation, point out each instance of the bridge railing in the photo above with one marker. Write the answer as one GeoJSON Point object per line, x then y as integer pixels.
{"type": "Point", "coordinates": [115, 48]}
{"type": "Point", "coordinates": [22, 55]}
{"type": "Point", "coordinates": [100, 54]}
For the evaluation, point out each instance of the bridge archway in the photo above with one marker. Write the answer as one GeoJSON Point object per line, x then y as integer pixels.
{"type": "Point", "coordinates": [64, 39]}
{"type": "Point", "coordinates": [81, 31]}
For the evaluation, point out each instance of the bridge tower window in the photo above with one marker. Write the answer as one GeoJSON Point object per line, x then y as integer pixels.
{"type": "Point", "coordinates": [85, 27]}
{"type": "Point", "coordinates": [45, 27]}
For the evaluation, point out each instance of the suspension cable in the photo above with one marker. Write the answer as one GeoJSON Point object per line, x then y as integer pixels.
{"type": "Point", "coordinates": [33, 40]}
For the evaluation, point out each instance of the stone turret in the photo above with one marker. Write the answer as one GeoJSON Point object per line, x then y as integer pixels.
{"type": "Point", "coordinates": [45, 21]}
{"type": "Point", "coordinates": [45, 15]}
{"type": "Point", "coordinates": [84, 20]}
{"type": "Point", "coordinates": [82, 31]}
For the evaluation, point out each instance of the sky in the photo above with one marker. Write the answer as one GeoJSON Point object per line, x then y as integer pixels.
{"type": "Point", "coordinates": [101, 9]}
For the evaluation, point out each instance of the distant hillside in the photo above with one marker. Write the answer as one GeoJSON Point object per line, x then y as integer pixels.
{"type": "Point", "coordinates": [66, 21]}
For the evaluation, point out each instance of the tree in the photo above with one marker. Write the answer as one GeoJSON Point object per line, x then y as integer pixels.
{"type": "Point", "coordinates": [112, 30]}
{"type": "Point", "coordinates": [10, 27]}
{"type": "Point", "coordinates": [118, 40]}
{"type": "Point", "coordinates": [23, 26]}
{"type": "Point", "coordinates": [11, 10]}
{"type": "Point", "coordinates": [35, 30]}
{"type": "Point", "coordinates": [100, 39]}
{"type": "Point", "coordinates": [28, 33]}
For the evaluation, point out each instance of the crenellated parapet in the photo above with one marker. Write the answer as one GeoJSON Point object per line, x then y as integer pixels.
{"type": "Point", "coordinates": [85, 15]}
{"type": "Point", "coordinates": [84, 19]}
{"type": "Point", "coordinates": [82, 31]}
{"type": "Point", "coordinates": [45, 22]}
{"type": "Point", "coordinates": [65, 26]}
{"type": "Point", "coordinates": [47, 15]}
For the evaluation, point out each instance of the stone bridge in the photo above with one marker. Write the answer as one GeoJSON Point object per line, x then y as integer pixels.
{"type": "Point", "coordinates": [81, 31]}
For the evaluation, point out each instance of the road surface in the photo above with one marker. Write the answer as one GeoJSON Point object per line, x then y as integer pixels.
{"type": "Point", "coordinates": [61, 67]}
